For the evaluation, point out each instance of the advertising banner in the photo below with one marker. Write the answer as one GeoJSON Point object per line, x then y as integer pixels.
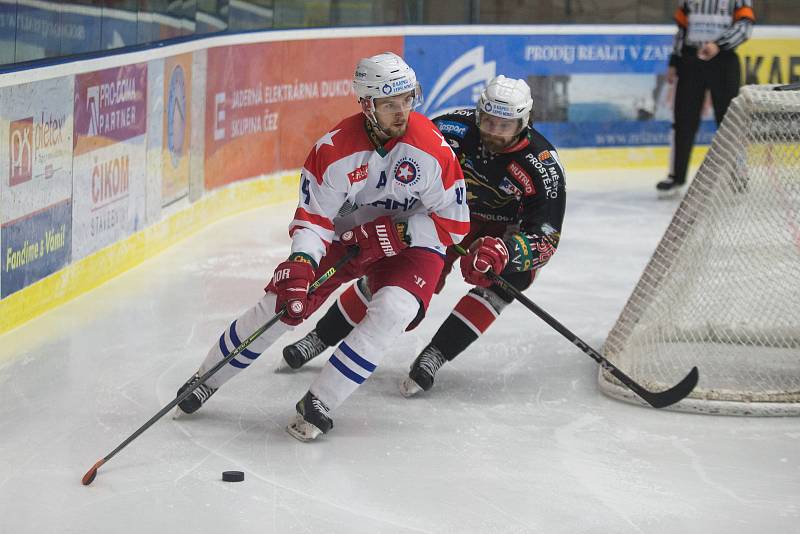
{"type": "Point", "coordinates": [35, 181]}
{"type": "Point", "coordinates": [109, 161]}
{"type": "Point", "coordinates": [267, 103]}
{"type": "Point", "coordinates": [590, 90]}
{"type": "Point", "coordinates": [766, 60]}
{"type": "Point", "coordinates": [177, 127]}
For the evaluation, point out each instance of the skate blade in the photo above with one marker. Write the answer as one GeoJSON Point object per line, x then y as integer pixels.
{"type": "Point", "coordinates": [672, 193]}
{"type": "Point", "coordinates": [302, 430]}
{"type": "Point", "coordinates": [409, 388]}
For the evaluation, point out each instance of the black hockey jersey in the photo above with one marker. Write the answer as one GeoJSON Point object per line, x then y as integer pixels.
{"type": "Point", "coordinates": [523, 188]}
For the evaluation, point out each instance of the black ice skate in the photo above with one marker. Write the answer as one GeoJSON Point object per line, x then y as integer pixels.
{"type": "Point", "coordinates": [312, 419]}
{"type": "Point", "coordinates": [196, 398]}
{"type": "Point", "coordinates": [302, 351]}
{"type": "Point", "coordinates": [420, 378]}
{"type": "Point", "coordinates": [669, 187]}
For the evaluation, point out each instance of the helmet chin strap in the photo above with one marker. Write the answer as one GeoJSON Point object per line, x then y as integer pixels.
{"type": "Point", "coordinates": [366, 108]}
{"type": "Point", "coordinates": [374, 120]}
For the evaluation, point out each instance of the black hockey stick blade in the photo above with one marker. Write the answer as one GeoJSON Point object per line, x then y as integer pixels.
{"type": "Point", "coordinates": [791, 87]}
{"type": "Point", "coordinates": [676, 393]}
{"type": "Point", "coordinates": [659, 399]}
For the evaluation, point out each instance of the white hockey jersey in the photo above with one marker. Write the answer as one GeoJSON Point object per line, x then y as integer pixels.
{"type": "Point", "coordinates": [346, 181]}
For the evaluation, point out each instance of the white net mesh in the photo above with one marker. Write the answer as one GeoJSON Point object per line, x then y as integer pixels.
{"type": "Point", "coordinates": [722, 290]}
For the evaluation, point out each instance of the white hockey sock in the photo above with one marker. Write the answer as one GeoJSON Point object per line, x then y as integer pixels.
{"type": "Point", "coordinates": [238, 331]}
{"type": "Point", "coordinates": [357, 356]}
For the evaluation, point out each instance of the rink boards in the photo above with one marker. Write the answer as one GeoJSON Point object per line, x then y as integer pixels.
{"type": "Point", "coordinates": [107, 161]}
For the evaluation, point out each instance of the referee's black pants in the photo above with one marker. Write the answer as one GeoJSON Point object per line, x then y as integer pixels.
{"type": "Point", "coordinates": [721, 75]}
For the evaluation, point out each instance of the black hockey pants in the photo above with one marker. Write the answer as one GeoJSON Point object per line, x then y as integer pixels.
{"type": "Point", "coordinates": [721, 75]}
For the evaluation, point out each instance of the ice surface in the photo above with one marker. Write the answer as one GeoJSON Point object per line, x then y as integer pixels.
{"type": "Point", "coordinates": [514, 437]}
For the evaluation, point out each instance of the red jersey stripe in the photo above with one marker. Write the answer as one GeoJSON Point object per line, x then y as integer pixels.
{"type": "Point", "coordinates": [319, 220]}
{"type": "Point", "coordinates": [454, 227]}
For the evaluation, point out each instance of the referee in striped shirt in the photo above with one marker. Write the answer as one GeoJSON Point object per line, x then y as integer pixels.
{"type": "Point", "coordinates": [703, 57]}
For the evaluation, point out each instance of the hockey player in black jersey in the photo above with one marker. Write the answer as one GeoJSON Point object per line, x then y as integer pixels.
{"type": "Point", "coordinates": [516, 196]}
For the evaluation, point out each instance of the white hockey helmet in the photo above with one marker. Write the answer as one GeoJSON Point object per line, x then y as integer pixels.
{"type": "Point", "coordinates": [506, 98]}
{"type": "Point", "coordinates": [384, 75]}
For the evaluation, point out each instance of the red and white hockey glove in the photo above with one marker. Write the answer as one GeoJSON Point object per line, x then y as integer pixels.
{"type": "Point", "coordinates": [484, 254]}
{"type": "Point", "coordinates": [290, 282]}
{"type": "Point", "coordinates": [376, 239]}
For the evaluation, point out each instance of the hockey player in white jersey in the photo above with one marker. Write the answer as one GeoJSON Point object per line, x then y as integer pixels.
{"type": "Point", "coordinates": [517, 197]}
{"type": "Point", "coordinates": [384, 180]}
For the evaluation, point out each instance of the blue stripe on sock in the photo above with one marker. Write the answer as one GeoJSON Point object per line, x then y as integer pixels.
{"type": "Point", "coordinates": [346, 371]}
{"type": "Point", "coordinates": [235, 340]}
{"type": "Point", "coordinates": [240, 365]}
{"type": "Point", "coordinates": [350, 353]}
{"type": "Point", "coordinates": [224, 349]}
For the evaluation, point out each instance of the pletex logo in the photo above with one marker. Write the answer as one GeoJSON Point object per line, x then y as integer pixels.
{"type": "Point", "coordinates": [20, 151]}
{"type": "Point", "coordinates": [469, 70]}
{"type": "Point", "coordinates": [31, 141]}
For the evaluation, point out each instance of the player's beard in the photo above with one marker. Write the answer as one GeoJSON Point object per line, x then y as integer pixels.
{"type": "Point", "coordinates": [394, 127]}
{"type": "Point", "coordinates": [495, 143]}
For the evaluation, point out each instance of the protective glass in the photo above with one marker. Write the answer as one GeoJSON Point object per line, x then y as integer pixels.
{"type": "Point", "coordinates": [498, 126]}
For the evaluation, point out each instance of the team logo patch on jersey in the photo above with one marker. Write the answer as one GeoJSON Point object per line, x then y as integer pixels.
{"type": "Point", "coordinates": [359, 174]}
{"type": "Point", "coordinates": [452, 128]}
{"type": "Point", "coordinates": [507, 187]}
{"type": "Point", "coordinates": [522, 177]}
{"type": "Point", "coordinates": [546, 157]}
{"type": "Point", "coordinates": [406, 171]}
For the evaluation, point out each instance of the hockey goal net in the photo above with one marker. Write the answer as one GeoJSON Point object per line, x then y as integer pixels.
{"type": "Point", "coordinates": [722, 290]}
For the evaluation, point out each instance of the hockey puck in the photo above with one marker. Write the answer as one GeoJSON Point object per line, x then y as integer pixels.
{"type": "Point", "coordinates": [232, 476]}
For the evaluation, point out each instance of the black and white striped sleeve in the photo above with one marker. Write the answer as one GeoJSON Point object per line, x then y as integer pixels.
{"type": "Point", "coordinates": [742, 27]}
{"type": "Point", "coordinates": [677, 45]}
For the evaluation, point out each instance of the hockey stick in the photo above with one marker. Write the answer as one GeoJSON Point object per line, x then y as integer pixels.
{"type": "Point", "coordinates": [790, 87]}
{"type": "Point", "coordinates": [90, 475]}
{"type": "Point", "coordinates": [660, 399]}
